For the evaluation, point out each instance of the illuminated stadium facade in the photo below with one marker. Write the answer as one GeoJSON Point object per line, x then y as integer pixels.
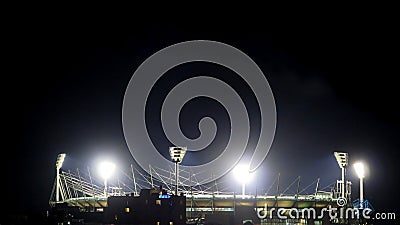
{"type": "Point", "coordinates": [134, 195]}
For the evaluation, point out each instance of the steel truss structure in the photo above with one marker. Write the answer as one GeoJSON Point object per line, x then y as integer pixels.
{"type": "Point", "coordinates": [81, 189]}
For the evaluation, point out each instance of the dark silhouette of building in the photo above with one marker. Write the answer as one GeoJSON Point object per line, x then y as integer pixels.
{"type": "Point", "coordinates": [152, 206]}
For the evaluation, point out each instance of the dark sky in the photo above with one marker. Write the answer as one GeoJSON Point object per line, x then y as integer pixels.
{"type": "Point", "coordinates": [334, 82]}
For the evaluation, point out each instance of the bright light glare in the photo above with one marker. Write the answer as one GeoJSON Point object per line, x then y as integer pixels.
{"type": "Point", "coordinates": [106, 169]}
{"type": "Point", "coordinates": [242, 173]}
{"type": "Point", "coordinates": [359, 168]}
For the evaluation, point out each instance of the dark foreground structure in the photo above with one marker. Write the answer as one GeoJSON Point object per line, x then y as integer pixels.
{"type": "Point", "coordinates": [152, 206]}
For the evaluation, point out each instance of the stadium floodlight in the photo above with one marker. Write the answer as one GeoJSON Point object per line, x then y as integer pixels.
{"type": "Point", "coordinates": [59, 163]}
{"type": "Point", "coordinates": [243, 175]}
{"type": "Point", "coordinates": [177, 154]}
{"type": "Point", "coordinates": [360, 171]}
{"type": "Point", "coordinates": [60, 160]}
{"type": "Point", "coordinates": [342, 159]}
{"type": "Point", "coordinates": [106, 169]}
{"type": "Point", "coordinates": [359, 168]}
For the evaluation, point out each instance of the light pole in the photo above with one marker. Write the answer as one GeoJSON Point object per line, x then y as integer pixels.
{"type": "Point", "coordinates": [60, 161]}
{"type": "Point", "coordinates": [106, 169]}
{"type": "Point", "coordinates": [342, 159]}
{"type": "Point", "coordinates": [177, 154]}
{"type": "Point", "coordinates": [243, 175]}
{"type": "Point", "coordinates": [360, 171]}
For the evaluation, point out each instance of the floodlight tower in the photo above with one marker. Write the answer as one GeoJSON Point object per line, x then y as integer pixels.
{"type": "Point", "coordinates": [359, 168]}
{"type": "Point", "coordinates": [342, 159]}
{"type": "Point", "coordinates": [177, 154]}
{"type": "Point", "coordinates": [59, 162]}
{"type": "Point", "coordinates": [106, 170]}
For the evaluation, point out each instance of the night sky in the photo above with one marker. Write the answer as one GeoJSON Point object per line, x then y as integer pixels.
{"type": "Point", "coordinates": [334, 83]}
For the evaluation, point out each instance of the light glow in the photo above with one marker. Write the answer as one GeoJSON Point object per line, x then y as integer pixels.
{"type": "Point", "coordinates": [106, 169]}
{"type": "Point", "coordinates": [242, 173]}
{"type": "Point", "coordinates": [359, 168]}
